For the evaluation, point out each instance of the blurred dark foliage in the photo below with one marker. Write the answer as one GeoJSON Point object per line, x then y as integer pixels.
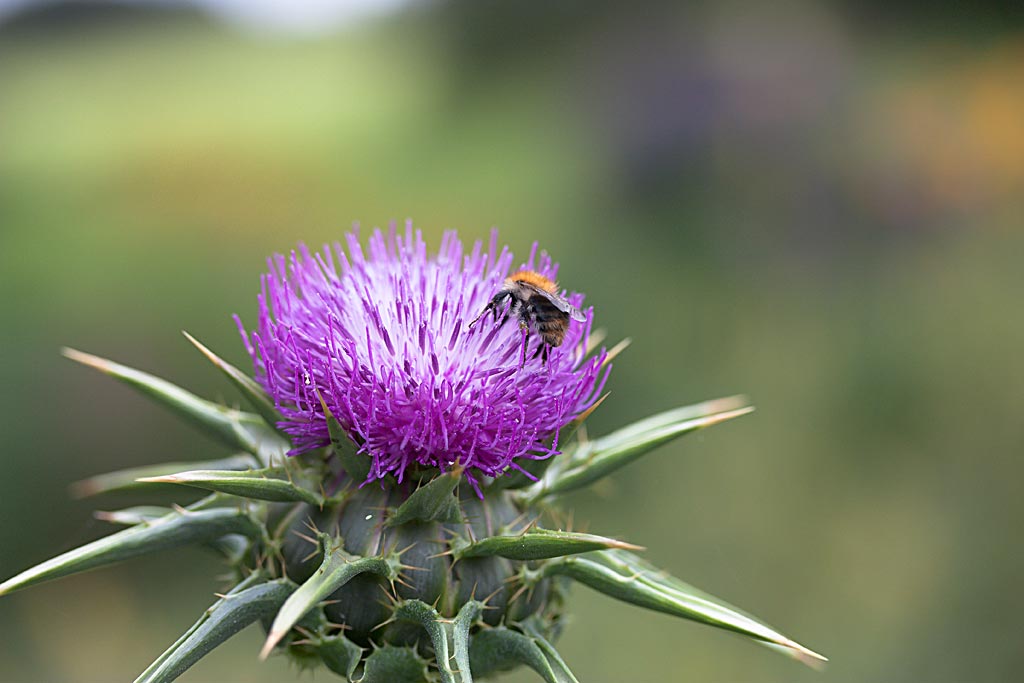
{"type": "Point", "coordinates": [52, 19]}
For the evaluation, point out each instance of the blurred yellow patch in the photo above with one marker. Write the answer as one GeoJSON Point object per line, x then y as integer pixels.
{"type": "Point", "coordinates": [953, 135]}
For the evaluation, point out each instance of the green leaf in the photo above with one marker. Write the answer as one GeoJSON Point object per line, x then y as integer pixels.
{"type": "Point", "coordinates": [616, 350]}
{"type": "Point", "coordinates": [250, 388]}
{"type": "Point", "coordinates": [171, 531]}
{"type": "Point", "coordinates": [597, 459]}
{"type": "Point", "coordinates": [434, 501]}
{"type": "Point", "coordinates": [626, 577]}
{"type": "Point", "coordinates": [339, 654]}
{"type": "Point", "coordinates": [554, 659]}
{"type": "Point", "coordinates": [539, 544]}
{"type": "Point", "coordinates": [426, 616]}
{"type": "Point", "coordinates": [235, 428]}
{"type": "Point", "coordinates": [501, 649]}
{"type": "Point", "coordinates": [390, 664]}
{"type": "Point", "coordinates": [223, 619]}
{"type": "Point", "coordinates": [674, 416]}
{"type": "Point", "coordinates": [271, 483]}
{"type": "Point", "coordinates": [140, 514]}
{"type": "Point", "coordinates": [253, 579]}
{"type": "Point", "coordinates": [569, 431]}
{"type": "Point", "coordinates": [232, 547]}
{"type": "Point", "coordinates": [461, 626]}
{"type": "Point", "coordinates": [126, 480]}
{"type": "Point", "coordinates": [356, 465]}
{"type": "Point", "coordinates": [531, 473]}
{"type": "Point", "coordinates": [337, 569]}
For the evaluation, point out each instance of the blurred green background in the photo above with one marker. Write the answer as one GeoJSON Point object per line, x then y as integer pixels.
{"type": "Point", "coordinates": [816, 204]}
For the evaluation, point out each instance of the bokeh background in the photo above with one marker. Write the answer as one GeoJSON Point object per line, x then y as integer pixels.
{"type": "Point", "coordinates": [818, 204]}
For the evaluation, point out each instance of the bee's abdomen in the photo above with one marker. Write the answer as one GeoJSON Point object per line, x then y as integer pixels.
{"type": "Point", "coordinates": [551, 323]}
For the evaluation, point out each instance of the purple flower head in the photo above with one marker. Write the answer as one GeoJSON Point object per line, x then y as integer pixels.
{"type": "Point", "coordinates": [384, 338]}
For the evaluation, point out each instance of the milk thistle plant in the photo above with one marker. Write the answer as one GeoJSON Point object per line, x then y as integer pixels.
{"type": "Point", "coordinates": [390, 507]}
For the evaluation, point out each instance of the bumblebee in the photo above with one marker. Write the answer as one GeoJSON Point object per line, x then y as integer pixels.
{"type": "Point", "coordinates": [536, 302]}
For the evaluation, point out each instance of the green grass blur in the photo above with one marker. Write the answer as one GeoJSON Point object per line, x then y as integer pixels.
{"type": "Point", "coordinates": [815, 206]}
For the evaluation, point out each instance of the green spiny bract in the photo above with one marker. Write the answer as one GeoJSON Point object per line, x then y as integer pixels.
{"type": "Point", "coordinates": [422, 581]}
{"type": "Point", "coordinates": [390, 509]}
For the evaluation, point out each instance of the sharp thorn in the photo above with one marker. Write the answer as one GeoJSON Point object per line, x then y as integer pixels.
{"type": "Point", "coordinates": [405, 549]}
{"type": "Point", "coordinates": [616, 350]}
{"type": "Point", "coordinates": [441, 554]}
{"type": "Point", "coordinates": [272, 640]}
{"type": "Point", "coordinates": [488, 598]}
{"type": "Point", "coordinates": [342, 627]}
{"type": "Point", "coordinates": [384, 623]}
{"type": "Point", "coordinates": [306, 537]}
{"type": "Point", "coordinates": [515, 596]}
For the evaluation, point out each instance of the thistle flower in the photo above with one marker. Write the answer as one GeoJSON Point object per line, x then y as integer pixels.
{"type": "Point", "coordinates": [363, 552]}
{"type": "Point", "coordinates": [382, 343]}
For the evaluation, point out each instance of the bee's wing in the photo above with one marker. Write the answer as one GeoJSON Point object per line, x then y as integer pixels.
{"type": "Point", "coordinates": [559, 303]}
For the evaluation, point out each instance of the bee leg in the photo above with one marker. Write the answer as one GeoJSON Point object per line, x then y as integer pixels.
{"type": "Point", "coordinates": [525, 315]}
{"type": "Point", "coordinates": [487, 308]}
{"type": "Point", "coordinates": [526, 343]}
{"type": "Point", "coordinates": [514, 307]}
{"type": "Point", "coordinates": [542, 351]}
{"type": "Point", "coordinates": [491, 307]}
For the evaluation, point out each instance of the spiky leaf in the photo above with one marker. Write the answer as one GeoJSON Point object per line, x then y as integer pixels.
{"type": "Point", "coordinates": [171, 531]}
{"type": "Point", "coordinates": [271, 483]}
{"type": "Point", "coordinates": [339, 654]}
{"type": "Point", "coordinates": [501, 649]}
{"type": "Point", "coordinates": [390, 664]}
{"type": "Point", "coordinates": [235, 428]}
{"type": "Point", "coordinates": [249, 388]}
{"type": "Point", "coordinates": [435, 501]}
{"type": "Point", "coordinates": [427, 617]}
{"type": "Point", "coordinates": [223, 619]}
{"type": "Point", "coordinates": [673, 416]}
{"type": "Point", "coordinates": [337, 569]}
{"type": "Point", "coordinates": [539, 544]}
{"type": "Point", "coordinates": [625, 576]}
{"type": "Point", "coordinates": [355, 465]}
{"type": "Point", "coordinates": [254, 579]}
{"type": "Point", "coordinates": [140, 514]}
{"type": "Point", "coordinates": [128, 479]}
{"type": "Point", "coordinates": [461, 626]}
{"type": "Point", "coordinates": [599, 458]}
{"type": "Point", "coordinates": [232, 547]}
{"type": "Point", "coordinates": [554, 659]}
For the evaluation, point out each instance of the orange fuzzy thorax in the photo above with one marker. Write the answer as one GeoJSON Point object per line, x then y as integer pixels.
{"type": "Point", "coordinates": [536, 279]}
